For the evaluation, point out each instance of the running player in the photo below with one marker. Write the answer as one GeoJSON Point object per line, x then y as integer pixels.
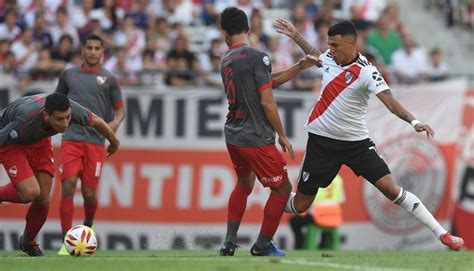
{"type": "Point", "coordinates": [338, 131]}
{"type": "Point", "coordinates": [26, 127]}
{"type": "Point", "coordinates": [250, 131]}
{"type": "Point", "coordinates": [82, 149]}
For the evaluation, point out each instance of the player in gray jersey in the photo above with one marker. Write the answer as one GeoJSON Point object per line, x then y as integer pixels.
{"type": "Point", "coordinates": [82, 150]}
{"type": "Point", "coordinates": [26, 127]}
{"type": "Point", "coordinates": [250, 129]}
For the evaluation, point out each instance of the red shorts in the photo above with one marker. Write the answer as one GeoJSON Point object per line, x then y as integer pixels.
{"type": "Point", "coordinates": [265, 161]}
{"type": "Point", "coordinates": [23, 161]}
{"type": "Point", "coordinates": [81, 159]}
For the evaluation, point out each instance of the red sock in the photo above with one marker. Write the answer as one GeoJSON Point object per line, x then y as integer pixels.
{"type": "Point", "coordinates": [35, 219]}
{"type": "Point", "coordinates": [66, 212]}
{"type": "Point", "coordinates": [238, 202]}
{"type": "Point", "coordinates": [272, 214]}
{"type": "Point", "coordinates": [8, 193]}
{"type": "Point", "coordinates": [89, 210]}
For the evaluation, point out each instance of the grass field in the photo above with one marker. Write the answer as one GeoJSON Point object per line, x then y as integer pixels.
{"type": "Point", "coordinates": [209, 260]}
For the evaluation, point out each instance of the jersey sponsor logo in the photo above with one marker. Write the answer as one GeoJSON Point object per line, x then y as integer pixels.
{"type": "Point", "coordinates": [348, 77]}
{"type": "Point", "coordinates": [266, 60]}
{"type": "Point", "coordinates": [275, 179]}
{"type": "Point", "coordinates": [417, 164]}
{"type": "Point", "coordinates": [101, 80]}
{"type": "Point", "coordinates": [13, 171]}
{"type": "Point", "coordinates": [377, 76]}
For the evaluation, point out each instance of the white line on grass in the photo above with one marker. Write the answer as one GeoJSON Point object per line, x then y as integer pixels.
{"type": "Point", "coordinates": [300, 261]}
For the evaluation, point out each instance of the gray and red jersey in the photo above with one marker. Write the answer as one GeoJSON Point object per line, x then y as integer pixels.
{"type": "Point", "coordinates": [245, 72]}
{"type": "Point", "coordinates": [96, 89]}
{"type": "Point", "coordinates": [21, 122]}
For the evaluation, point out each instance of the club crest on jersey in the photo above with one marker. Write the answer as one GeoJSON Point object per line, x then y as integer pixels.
{"type": "Point", "coordinates": [266, 60]}
{"type": "Point", "coordinates": [101, 80]}
{"type": "Point", "coordinates": [12, 171]}
{"type": "Point", "coordinates": [348, 77]}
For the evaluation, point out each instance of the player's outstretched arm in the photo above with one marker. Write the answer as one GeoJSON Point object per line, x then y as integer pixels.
{"type": "Point", "coordinates": [285, 27]}
{"type": "Point", "coordinates": [396, 108]}
{"type": "Point", "coordinates": [271, 112]}
{"type": "Point", "coordinates": [104, 129]}
{"type": "Point", "coordinates": [284, 76]}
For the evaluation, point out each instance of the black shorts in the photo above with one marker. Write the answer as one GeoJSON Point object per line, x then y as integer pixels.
{"type": "Point", "coordinates": [325, 156]}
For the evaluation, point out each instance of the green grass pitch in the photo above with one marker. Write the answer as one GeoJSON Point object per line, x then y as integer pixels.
{"type": "Point", "coordinates": [209, 260]}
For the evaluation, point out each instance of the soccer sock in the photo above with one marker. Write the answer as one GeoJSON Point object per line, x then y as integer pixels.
{"type": "Point", "coordinates": [235, 211]}
{"type": "Point", "coordinates": [90, 208]}
{"type": "Point", "coordinates": [271, 218]}
{"type": "Point", "coordinates": [8, 193]}
{"type": "Point", "coordinates": [66, 213]}
{"type": "Point", "coordinates": [35, 219]}
{"type": "Point", "coordinates": [290, 204]}
{"type": "Point", "coordinates": [416, 208]}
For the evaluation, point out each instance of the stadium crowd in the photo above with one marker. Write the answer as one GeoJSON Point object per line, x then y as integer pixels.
{"type": "Point", "coordinates": [177, 42]}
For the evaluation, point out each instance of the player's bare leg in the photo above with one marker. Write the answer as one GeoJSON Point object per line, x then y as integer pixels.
{"type": "Point", "coordinates": [36, 215]}
{"type": "Point", "coordinates": [271, 220]}
{"type": "Point", "coordinates": [235, 211]}
{"type": "Point", "coordinates": [415, 207]}
{"type": "Point", "coordinates": [90, 204]}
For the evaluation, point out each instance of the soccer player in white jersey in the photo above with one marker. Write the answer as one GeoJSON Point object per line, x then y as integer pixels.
{"type": "Point", "coordinates": [338, 131]}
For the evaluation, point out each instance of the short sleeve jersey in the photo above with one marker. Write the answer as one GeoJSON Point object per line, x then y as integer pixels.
{"type": "Point", "coordinates": [98, 90]}
{"type": "Point", "coordinates": [341, 110]}
{"type": "Point", "coordinates": [21, 122]}
{"type": "Point", "coordinates": [245, 73]}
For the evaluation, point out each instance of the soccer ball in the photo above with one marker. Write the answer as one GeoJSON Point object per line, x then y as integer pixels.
{"type": "Point", "coordinates": [80, 241]}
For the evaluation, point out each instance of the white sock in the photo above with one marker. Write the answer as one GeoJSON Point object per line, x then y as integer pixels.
{"type": "Point", "coordinates": [290, 204]}
{"type": "Point", "coordinates": [416, 208]}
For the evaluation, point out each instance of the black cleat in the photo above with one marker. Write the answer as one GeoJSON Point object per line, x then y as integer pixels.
{"type": "Point", "coordinates": [228, 249]}
{"type": "Point", "coordinates": [32, 249]}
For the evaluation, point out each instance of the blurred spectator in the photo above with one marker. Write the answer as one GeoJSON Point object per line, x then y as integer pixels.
{"type": "Point", "coordinates": [178, 11]}
{"type": "Point", "coordinates": [409, 63]}
{"type": "Point", "coordinates": [8, 64]}
{"type": "Point", "coordinates": [4, 48]}
{"type": "Point", "coordinates": [302, 23]}
{"type": "Point", "coordinates": [437, 69]}
{"type": "Point", "coordinates": [158, 35]}
{"type": "Point", "coordinates": [64, 51]}
{"type": "Point", "coordinates": [81, 14]}
{"type": "Point", "coordinates": [63, 27]}
{"type": "Point", "coordinates": [139, 14]}
{"type": "Point", "coordinates": [124, 67]}
{"type": "Point", "coordinates": [26, 51]}
{"type": "Point", "coordinates": [281, 59]}
{"type": "Point", "coordinates": [213, 77]}
{"type": "Point", "coordinates": [367, 10]}
{"type": "Point", "coordinates": [9, 30]}
{"type": "Point", "coordinates": [309, 79]}
{"type": "Point", "coordinates": [41, 33]}
{"type": "Point", "coordinates": [110, 16]}
{"type": "Point", "coordinates": [359, 22]}
{"type": "Point", "coordinates": [130, 37]}
{"type": "Point", "coordinates": [393, 18]}
{"type": "Point", "coordinates": [325, 15]}
{"type": "Point", "coordinates": [46, 68]}
{"type": "Point", "coordinates": [384, 40]}
{"type": "Point", "coordinates": [257, 33]}
{"type": "Point", "coordinates": [151, 72]}
{"type": "Point", "coordinates": [76, 59]}
{"type": "Point", "coordinates": [209, 13]}
{"type": "Point", "coordinates": [93, 27]}
{"type": "Point", "coordinates": [182, 65]}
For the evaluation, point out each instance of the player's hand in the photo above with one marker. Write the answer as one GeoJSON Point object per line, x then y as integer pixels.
{"type": "Point", "coordinates": [422, 127]}
{"type": "Point", "coordinates": [284, 27]}
{"type": "Point", "coordinates": [286, 146]}
{"type": "Point", "coordinates": [309, 61]}
{"type": "Point", "coordinates": [113, 147]}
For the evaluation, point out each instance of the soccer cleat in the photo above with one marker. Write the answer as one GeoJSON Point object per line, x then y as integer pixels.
{"type": "Point", "coordinates": [63, 251]}
{"type": "Point", "coordinates": [32, 249]}
{"type": "Point", "coordinates": [228, 249]}
{"type": "Point", "coordinates": [271, 250]}
{"type": "Point", "coordinates": [451, 241]}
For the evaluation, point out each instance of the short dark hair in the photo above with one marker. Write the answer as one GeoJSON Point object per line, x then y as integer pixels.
{"type": "Point", "coordinates": [56, 102]}
{"type": "Point", "coordinates": [93, 37]}
{"type": "Point", "coordinates": [234, 21]}
{"type": "Point", "coordinates": [344, 28]}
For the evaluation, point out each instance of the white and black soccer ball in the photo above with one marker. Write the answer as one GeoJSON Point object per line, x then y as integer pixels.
{"type": "Point", "coordinates": [80, 241]}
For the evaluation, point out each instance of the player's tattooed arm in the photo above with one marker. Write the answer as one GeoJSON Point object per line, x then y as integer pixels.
{"type": "Point", "coordinates": [285, 27]}
{"type": "Point", "coordinates": [397, 109]}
